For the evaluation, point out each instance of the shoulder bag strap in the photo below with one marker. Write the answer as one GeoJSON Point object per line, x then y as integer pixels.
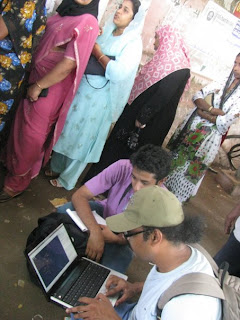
{"type": "Point", "coordinates": [192, 283]}
{"type": "Point", "coordinates": [125, 192]}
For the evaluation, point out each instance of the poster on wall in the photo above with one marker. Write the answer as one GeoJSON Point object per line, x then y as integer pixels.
{"type": "Point", "coordinates": [213, 37]}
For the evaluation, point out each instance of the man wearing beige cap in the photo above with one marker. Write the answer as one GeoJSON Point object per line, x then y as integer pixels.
{"type": "Point", "coordinates": [158, 232]}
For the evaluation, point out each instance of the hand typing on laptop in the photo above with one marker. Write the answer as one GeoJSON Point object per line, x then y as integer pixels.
{"type": "Point", "coordinates": [100, 307]}
{"type": "Point", "coordinates": [97, 308]}
{"type": "Point", "coordinates": [128, 290]}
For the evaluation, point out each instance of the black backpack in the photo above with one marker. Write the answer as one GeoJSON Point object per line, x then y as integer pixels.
{"type": "Point", "coordinates": [45, 226]}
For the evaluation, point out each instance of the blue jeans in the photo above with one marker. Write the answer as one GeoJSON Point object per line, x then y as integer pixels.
{"type": "Point", "coordinates": [230, 252]}
{"type": "Point", "coordinates": [115, 256]}
{"type": "Point", "coordinates": [95, 206]}
{"type": "Point", "coordinates": [123, 310]}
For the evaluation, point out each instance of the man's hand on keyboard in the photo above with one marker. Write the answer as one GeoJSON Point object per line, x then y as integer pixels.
{"type": "Point", "coordinates": [99, 308]}
{"type": "Point", "coordinates": [128, 290]}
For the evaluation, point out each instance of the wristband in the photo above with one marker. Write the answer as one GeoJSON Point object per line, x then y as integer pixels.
{"type": "Point", "coordinates": [210, 108]}
{"type": "Point", "coordinates": [37, 84]}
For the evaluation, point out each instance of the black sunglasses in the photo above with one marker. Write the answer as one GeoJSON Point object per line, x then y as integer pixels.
{"type": "Point", "coordinates": [131, 234]}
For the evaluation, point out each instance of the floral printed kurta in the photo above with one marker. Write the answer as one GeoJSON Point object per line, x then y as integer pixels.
{"type": "Point", "coordinates": [196, 142]}
{"type": "Point", "coordinates": [25, 21]}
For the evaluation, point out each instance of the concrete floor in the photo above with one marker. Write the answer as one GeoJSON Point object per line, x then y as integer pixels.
{"type": "Point", "coordinates": [20, 299]}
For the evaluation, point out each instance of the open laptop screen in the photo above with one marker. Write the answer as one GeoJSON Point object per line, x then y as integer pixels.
{"type": "Point", "coordinates": [53, 256]}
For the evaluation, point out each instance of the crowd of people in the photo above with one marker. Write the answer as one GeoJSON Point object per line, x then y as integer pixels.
{"type": "Point", "coordinates": [60, 97]}
{"type": "Point", "coordinates": [83, 79]}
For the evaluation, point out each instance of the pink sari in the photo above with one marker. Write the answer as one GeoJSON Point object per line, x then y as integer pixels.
{"type": "Point", "coordinates": [38, 125]}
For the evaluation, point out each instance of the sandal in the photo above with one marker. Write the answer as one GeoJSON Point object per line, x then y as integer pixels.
{"type": "Point", "coordinates": [50, 173]}
{"type": "Point", "coordinates": [55, 183]}
{"type": "Point", "coordinates": [5, 196]}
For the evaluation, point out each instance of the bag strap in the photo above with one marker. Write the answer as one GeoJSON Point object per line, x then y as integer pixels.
{"type": "Point", "coordinates": [207, 256]}
{"type": "Point", "coordinates": [194, 283]}
{"type": "Point", "coordinates": [96, 87]}
{"type": "Point", "coordinates": [191, 283]}
{"type": "Point", "coordinates": [129, 187]}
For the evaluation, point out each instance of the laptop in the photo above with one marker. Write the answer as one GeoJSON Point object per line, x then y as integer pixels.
{"type": "Point", "coordinates": [64, 276]}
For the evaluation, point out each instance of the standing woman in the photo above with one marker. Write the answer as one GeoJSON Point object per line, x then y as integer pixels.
{"type": "Point", "coordinates": [153, 101]}
{"type": "Point", "coordinates": [196, 142]}
{"type": "Point", "coordinates": [100, 98]}
{"type": "Point", "coordinates": [22, 23]}
{"type": "Point", "coordinates": [58, 66]}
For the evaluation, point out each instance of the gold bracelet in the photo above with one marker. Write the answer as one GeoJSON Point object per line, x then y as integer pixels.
{"type": "Point", "coordinates": [101, 57]}
{"type": "Point", "coordinates": [210, 108]}
{"type": "Point", "coordinates": [37, 84]}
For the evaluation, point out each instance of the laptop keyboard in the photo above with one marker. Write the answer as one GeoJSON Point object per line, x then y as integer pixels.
{"type": "Point", "coordinates": [87, 284]}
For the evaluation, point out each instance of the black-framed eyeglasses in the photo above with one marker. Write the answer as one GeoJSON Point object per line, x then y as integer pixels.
{"type": "Point", "coordinates": [131, 234]}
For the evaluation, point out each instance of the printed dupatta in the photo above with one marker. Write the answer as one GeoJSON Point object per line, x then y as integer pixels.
{"type": "Point", "coordinates": [171, 55]}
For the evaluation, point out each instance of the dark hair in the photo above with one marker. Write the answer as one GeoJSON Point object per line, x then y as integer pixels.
{"type": "Point", "coordinates": [189, 231]}
{"type": "Point", "coordinates": [136, 5]}
{"type": "Point", "coordinates": [153, 159]}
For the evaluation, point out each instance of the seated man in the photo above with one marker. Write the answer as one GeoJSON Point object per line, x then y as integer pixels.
{"type": "Point", "coordinates": [148, 166]}
{"type": "Point", "coordinates": [158, 232]}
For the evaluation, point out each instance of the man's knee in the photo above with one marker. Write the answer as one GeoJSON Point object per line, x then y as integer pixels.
{"type": "Point", "coordinates": [66, 206]}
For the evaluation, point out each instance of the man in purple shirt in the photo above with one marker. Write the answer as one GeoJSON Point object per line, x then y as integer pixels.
{"type": "Point", "coordinates": [148, 166]}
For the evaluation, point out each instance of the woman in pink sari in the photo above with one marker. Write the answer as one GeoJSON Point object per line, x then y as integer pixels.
{"type": "Point", "coordinates": [58, 66]}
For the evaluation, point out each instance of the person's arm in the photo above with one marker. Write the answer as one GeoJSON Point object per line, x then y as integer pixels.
{"type": "Point", "coordinates": [223, 120]}
{"type": "Point", "coordinates": [111, 237]}
{"type": "Point", "coordinates": [95, 245]}
{"type": "Point", "coordinates": [126, 63]}
{"type": "Point", "coordinates": [202, 105]}
{"type": "Point", "coordinates": [3, 29]}
{"type": "Point", "coordinates": [100, 56]}
{"type": "Point", "coordinates": [200, 96]}
{"type": "Point", "coordinates": [57, 74]}
{"type": "Point", "coordinates": [231, 218]}
{"type": "Point", "coordinates": [128, 290]}
{"type": "Point", "coordinates": [100, 307]}
{"type": "Point", "coordinates": [206, 115]}
{"type": "Point", "coordinates": [104, 181]}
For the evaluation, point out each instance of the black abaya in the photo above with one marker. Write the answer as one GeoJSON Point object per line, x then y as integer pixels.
{"type": "Point", "coordinates": [156, 107]}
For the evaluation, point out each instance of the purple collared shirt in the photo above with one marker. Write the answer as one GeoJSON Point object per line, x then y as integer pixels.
{"type": "Point", "coordinates": [115, 178]}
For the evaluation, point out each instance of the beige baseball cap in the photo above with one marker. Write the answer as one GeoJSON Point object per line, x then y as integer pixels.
{"type": "Point", "coordinates": [151, 207]}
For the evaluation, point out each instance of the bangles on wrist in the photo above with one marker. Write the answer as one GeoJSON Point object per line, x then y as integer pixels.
{"type": "Point", "coordinates": [210, 108]}
{"type": "Point", "coordinates": [101, 57]}
{"type": "Point", "coordinates": [38, 85]}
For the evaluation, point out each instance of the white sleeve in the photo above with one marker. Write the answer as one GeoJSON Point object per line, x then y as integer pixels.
{"type": "Point", "coordinates": [224, 122]}
{"type": "Point", "coordinates": [210, 88]}
{"type": "Point", "coordinates": [192, 307]}
{"type": "Point", "coordinates": [125, 63]}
